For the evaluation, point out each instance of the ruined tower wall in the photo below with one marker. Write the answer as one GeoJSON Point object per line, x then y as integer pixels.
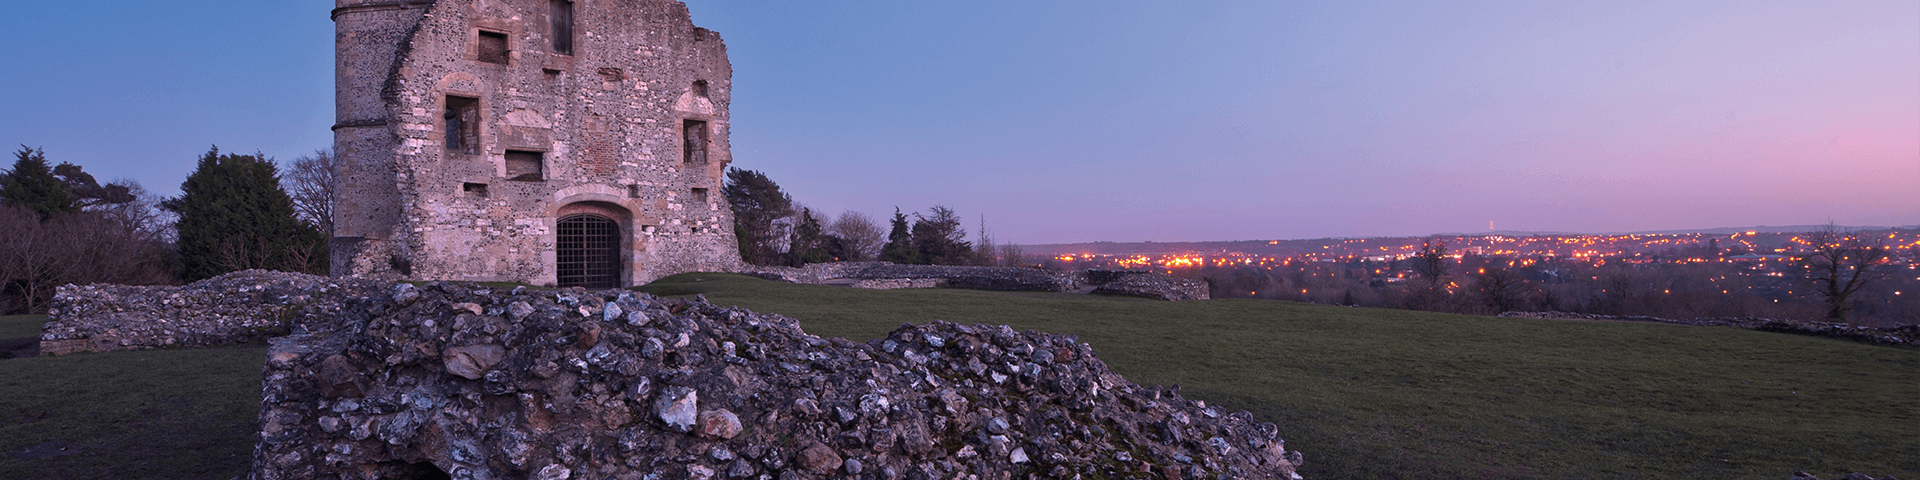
{"type": "Point", "coordinates": [471, 128]}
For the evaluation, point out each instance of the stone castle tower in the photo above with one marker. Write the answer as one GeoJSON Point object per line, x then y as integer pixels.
{"type": "Point", "coordinates": [538, 141]}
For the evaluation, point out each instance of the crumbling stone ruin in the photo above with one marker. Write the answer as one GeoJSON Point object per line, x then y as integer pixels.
{"type": "Point", "coordinates": [885, 275]}
{"type": "Point", "coordinates": [546, 142]}
{"type": "Point", "coordinates": [230, 309]}
{"type": "Point", "coordinates": [466, 382]}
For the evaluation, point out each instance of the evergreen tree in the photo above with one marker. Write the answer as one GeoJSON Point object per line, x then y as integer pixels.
{"type": "Point", "coordinates": [89, 193]}
{"type": "Point", "coordinates": [758, 206]}
{"type": "Point", "coordinates": [940, 239]}
{"type": "Point", "coordinates": [32, 184]}
{"type": "Point", "coordinates": [234, 216]}
{"type": "Point", "coordinates": [900, 247]}
{"type": "Point", "coordinates": [809, 243]}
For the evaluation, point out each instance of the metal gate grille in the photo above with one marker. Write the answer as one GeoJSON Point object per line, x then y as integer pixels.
{"type": "Point", "coordinates": [588, 252]}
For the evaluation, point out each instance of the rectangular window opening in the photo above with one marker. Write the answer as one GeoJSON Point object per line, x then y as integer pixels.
{"type": "Point", "coordinates": [462, 124]}
{"type": "Point", "coordinates": [633, 191]}
{"type": "Point", "coordinates": [562, 16]}
{"type": "Point", "coordinates": [475, 189]}
{"type": "Point", "coordinates": [696, 142]}
{"type": "Point", "coordinates": [493, 47]}
{"type": "Point", "coordinates": [699, 195]}
{"type": "Point", "coordinates": [525, 166]}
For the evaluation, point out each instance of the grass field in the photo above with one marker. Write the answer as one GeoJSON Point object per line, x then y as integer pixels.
{"type": "Point", "coordinates": [132, 415]}
{"type": "Point", "coordinates": [1369, 393]}
{"type": "Point", "coordinates": [21, 326]}
{"type": "Point", "coordinates": [1364, 393]}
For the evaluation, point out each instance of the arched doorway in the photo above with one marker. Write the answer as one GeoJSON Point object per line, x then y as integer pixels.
{"type": "Point", "coordinates": [588, 251]}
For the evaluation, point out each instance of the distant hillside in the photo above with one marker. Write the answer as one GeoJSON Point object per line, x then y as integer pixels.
{"type": "Point", "coordinates": [1296, 246]}
{"type": "Point", "coordinates": [1707, 231]}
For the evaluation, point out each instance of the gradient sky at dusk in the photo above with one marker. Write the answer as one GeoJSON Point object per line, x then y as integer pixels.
{"type": "Point", "coordinates": [1081, 120]}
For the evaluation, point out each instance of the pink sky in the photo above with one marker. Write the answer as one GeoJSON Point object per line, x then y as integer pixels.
{"type": "Point", "coordinates": [1086, 120]}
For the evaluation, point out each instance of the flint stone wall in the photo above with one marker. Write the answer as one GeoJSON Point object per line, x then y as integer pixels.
{"type": "Point", "coordinates": [1908, 335]}
{"type": "Point", "coordinates": [234, 308]}
{"type": "Point", "coordinates": [899, 283]}
{"type": "Point", "coordinates": [891, 275]}
{"type": "Point", "coordinates": [610, 102]}
{"type": "Point", "coordinates": [457, 381]}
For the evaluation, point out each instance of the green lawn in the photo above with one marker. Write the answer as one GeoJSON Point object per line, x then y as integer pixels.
{"type": "Point", "coordinates": [156, 414]}
{"type": "Point", "coordinates": [1369, 393]}
{"type": "Point", "coordinates": [1364, 393]}
{"type": "Point", "coordinates": [21, 326]}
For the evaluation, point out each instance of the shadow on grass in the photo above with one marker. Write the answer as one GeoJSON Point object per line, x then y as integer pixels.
{"type": "Point", "coordinates": [20, 335]}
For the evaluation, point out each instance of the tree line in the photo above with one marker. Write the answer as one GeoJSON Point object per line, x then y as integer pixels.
{"type": "Point", "coordinates": [234, 212]}
{"type": "Point", "coordinates": [774, 230]}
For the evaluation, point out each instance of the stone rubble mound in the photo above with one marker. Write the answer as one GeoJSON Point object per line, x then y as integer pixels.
{"type": "Point", "coordinates": [1908, 335]}
{"type": "Point", "coordinates": [234, 308]}
{"type": "Point", "coordinates": [465, 382]}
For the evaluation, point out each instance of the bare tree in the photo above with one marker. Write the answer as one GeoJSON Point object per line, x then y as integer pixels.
{"type": "Point", "coordinates": [1431, 262]}
{"type": "Point", "coordinates": [310, 184]}
{"type": "Point", "coordinates": [984, 250]}
{"type": "Point", "coordinates": [862, 236]}
{"type": "Point", "coordinates": [141, 217]}
{"type": "Point", "coordinates": [80, 248]}
{"type": "Point", "coordinates": [1840, 264]}
{"type": "Point", "coordinates": [1010, 255]}
{"type": "Point", "coordinates": [1502, 289]}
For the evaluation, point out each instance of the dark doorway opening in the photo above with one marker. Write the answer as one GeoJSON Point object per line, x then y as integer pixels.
{"type": "Point", "coordinates": [588, 252]}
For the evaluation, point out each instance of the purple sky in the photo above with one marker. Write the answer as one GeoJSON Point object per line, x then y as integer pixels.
{"type": "Point", "coordinates": [1065, 121]}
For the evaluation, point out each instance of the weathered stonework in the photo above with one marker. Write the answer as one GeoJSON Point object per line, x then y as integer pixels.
{"type": "Point", "coordinates": [463, 382]}
{"type": "Point", "coordinates": [234, 308]}
{"type": "Point", "coordinates": [898, 283]}
{"type": "Point", "coordinates": [498, 140]}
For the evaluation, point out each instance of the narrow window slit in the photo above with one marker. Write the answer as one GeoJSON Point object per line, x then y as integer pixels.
{"type": "Point", "coordinates": [561, 14]}
{"type": "Point", "coordinates": [696, 142]}
{"type": "Point", "coordinates": [462, 124]}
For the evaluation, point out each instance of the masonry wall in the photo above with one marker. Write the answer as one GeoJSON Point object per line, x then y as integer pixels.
{"type": "Point", "coordinates": [608, 121]}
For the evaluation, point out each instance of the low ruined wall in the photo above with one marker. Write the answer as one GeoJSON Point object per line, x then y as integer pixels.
{"type": "Point", "coordinates": [1908, 335]}
{"type": "Point", "coordinates": [457, 382]}
{"type": "Point", "coordinates": [234, 308]}
{"type": "Point", "coordinates": [899, 283]}
{"type": "Point", "coordinates": [1152, 285]}
{"type": "Point", "coordinates": [890, 275]}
